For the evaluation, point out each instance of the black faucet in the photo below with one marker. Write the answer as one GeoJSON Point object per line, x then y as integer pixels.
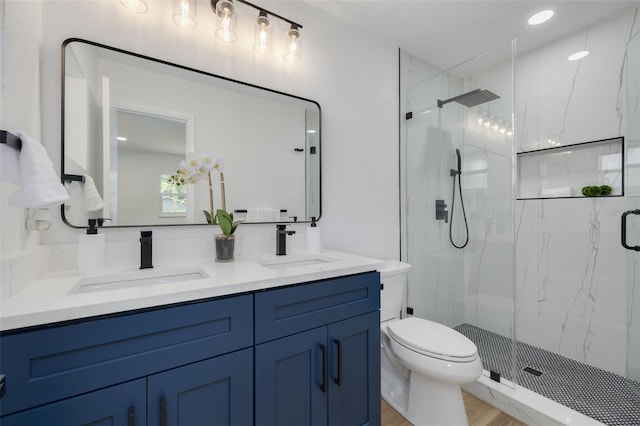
{"type": "Point", "coordinates": [281, 239]}
{"type": "Point", "coordinates": [146, 250]}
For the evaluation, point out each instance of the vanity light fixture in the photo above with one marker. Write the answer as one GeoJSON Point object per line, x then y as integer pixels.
{"type": "Point", "coordinates": [578, 55]}
{"type": "Point", "coordinates": [495, 123]}
{"type": "Point", "coordinates": [184, 13]}
{"type": "Point", "coordinates": [540, 17]}
{"type": "Point", "coordinates": [225, 30]}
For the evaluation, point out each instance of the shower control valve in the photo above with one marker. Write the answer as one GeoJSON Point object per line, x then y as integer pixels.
{"type": "Point", "coordinates": [441, 211]}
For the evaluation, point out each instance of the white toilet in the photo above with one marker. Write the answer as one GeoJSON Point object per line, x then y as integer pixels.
{"type": "Point", "coordinates": [423, 362]}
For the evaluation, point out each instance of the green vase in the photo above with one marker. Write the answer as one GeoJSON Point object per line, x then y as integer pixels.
{"type": "Point", "coordinates": [224, 247]}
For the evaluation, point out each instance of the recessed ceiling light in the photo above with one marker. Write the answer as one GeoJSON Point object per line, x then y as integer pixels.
{"type": "Point", "coordinates": [540, 17]}
{"type": "Point", "coordinates": [578, 55]}
{"type": "Point", "coordinates": [121, 138]}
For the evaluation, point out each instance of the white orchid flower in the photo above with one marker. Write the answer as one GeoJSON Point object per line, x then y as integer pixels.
{"type": "Point", "coordinates": [198, 167]}
{"type": "Point", "coordinates": [211, 161]}
{"type": "Point", "coordinates": [193, 163]}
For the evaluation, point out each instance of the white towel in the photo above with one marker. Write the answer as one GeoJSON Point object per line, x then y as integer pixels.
{"type": "Point", "coordinates": [92, 199]}
{"type": "Point", "coordinates": [41, 186]}
{"type": "Point", "coordinates": [84, 195]}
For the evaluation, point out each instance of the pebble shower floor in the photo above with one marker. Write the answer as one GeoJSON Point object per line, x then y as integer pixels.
{"type": "Point", "coordinates": [594, 392]}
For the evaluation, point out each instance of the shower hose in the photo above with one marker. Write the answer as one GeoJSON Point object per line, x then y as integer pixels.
{"type": "Point", "coordinates": [458, 173]}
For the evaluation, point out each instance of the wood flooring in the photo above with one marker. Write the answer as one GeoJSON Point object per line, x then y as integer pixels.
{"type": "Point", "coordinates": [479, 413]}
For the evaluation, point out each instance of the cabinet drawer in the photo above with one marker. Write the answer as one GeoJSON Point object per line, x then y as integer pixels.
{"type": "Point", "coordinates": [53, 363]}
{"type": "Point", "coordinates": [286, 311]}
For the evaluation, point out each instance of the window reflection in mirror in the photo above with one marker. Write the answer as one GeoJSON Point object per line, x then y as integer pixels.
{"type": "Point", "coordinates": [269, 142]}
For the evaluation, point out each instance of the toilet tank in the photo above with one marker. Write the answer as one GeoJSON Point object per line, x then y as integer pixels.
{"type": "Point", "coordinates": [394, 277]}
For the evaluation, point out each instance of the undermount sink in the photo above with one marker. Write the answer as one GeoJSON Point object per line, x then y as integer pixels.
{"type": "Point", "coordinates": [294, 261]}
{"type": "Point", "coordinates": [136, 279]}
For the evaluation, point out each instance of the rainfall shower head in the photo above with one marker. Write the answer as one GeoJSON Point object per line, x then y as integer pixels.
{"type": "Point", "coordinates": [472, 98]}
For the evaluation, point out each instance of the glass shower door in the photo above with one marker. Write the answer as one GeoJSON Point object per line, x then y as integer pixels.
{"type": "Point", "coordinates": [458, 204]}
{"type": "Point", "coordinates": [630, 220]}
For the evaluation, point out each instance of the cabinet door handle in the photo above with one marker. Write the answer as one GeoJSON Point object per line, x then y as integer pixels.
{"type": "Point", "coordinates": [325, 368]}
{"type": "Point", "coordinates": [623, 226]}
{"type": "Point", "coordinates": [163, 411]}
{"type": "Point", "coordinates": [131, 417]}
{"type": "Point", "coordinates": [338, 379]}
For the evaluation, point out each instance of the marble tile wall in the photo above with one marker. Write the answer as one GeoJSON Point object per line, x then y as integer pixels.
{"type": "Point", "coordinates": [571, 273]}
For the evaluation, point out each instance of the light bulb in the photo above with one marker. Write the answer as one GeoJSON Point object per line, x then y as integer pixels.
{"type": "Point", "coordinates": [262, 34]}
{"type": "Point", "coordinates": [184, 13]}
{"type": "Point", "coordinates": [293, 47]}
{"type": "Point", "coordinates": [137, 6]}
{"type": "Point", "coordinates": [226, 27]}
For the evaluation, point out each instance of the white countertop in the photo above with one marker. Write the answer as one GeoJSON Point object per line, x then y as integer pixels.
{"type": "Point", "coordinates": [52, 299]}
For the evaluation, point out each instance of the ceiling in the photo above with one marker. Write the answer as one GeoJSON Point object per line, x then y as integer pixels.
{"type": "Point", "coordinates": [446, 33]}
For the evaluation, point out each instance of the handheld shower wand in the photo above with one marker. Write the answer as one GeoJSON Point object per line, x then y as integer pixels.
{"type": "Point", "coordinates": [459, 170]}
{"type": "Point", "coordinates": [458, 173]}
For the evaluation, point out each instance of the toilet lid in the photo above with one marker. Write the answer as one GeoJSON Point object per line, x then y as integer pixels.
{"type": "Point", "coordinates": [433, 339]}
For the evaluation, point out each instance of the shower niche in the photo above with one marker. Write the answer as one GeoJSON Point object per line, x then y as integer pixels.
{"type": "Point", "coordinates": [563, 171]}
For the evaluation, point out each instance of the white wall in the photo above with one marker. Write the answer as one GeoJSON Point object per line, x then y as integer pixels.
{"type": "Point", "coordinates": [19, 108]}
{"type": "Point", "coordinates": [353, 77]}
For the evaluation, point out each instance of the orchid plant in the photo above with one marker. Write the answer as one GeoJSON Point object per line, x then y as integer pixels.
{"type": "Point", "coordinates": [202, 166]}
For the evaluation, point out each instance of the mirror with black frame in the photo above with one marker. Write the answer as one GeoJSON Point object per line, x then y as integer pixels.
{"type": "Point", "coordinates": [130, 122]}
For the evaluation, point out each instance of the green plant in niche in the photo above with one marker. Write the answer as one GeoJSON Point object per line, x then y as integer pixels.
{"type": "Point", "coordinates": [226, 222]}
{"type": "Point", "coordinates": [595, 190]}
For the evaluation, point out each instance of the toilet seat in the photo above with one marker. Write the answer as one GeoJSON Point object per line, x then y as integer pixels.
{"type": "Point", "coordinates": [432, 339]}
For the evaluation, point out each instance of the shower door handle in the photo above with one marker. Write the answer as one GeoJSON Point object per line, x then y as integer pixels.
{"type": "Point", "coordinates": [623, 227]}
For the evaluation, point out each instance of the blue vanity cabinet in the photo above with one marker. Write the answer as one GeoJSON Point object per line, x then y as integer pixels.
{"type": "Point", "coordinates": [305, 354]}
{"type": "Point", "coordinates": [318, 353]}
{"type": "Point", "coordinates": [187, 351]}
